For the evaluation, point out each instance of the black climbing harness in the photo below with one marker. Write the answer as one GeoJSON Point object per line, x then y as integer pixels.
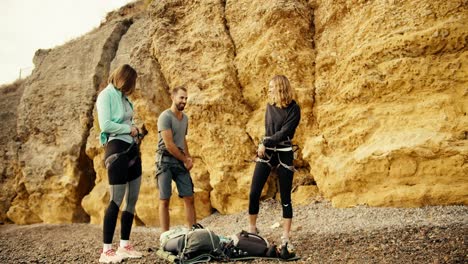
{"type": "Point", "coordinates": [112, 158]}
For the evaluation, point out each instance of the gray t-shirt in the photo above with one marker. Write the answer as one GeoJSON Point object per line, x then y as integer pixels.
{"type": "Point", "coordinates": [168, 120]}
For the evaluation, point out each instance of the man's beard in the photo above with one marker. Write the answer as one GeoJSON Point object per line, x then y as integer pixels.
{"type": "Point", "coordinates": [180, 107]}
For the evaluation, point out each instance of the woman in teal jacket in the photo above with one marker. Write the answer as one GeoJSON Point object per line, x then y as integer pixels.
{"type": "Point", "coordinates": [122, 160]}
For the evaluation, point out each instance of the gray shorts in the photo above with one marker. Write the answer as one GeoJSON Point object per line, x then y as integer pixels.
{"type": "Point", "coordinates": [173, 170]}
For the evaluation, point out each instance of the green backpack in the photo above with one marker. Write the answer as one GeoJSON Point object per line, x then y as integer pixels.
{"type": "Point", "coordinates": [196, 242]}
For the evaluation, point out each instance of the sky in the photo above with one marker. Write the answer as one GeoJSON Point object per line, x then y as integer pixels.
{"type": "Point", "coordinates": [29, 25]}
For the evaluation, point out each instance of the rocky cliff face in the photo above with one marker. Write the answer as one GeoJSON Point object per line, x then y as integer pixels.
{"type": "Point", "coordinates": [382, 87]}
{"type": "Point", "coordinates": [391, 102]}
{"type": "Point", "coordinates": [9, 167]}
{"type": "Point", "coordinates": [54, 119]}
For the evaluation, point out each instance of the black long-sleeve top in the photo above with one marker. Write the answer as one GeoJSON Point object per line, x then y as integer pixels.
{"type": "Point", "coordinates": [281, 123]}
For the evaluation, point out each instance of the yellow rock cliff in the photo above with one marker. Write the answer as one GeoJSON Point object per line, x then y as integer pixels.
{"type": "Point", "coordinates": [382, 85]}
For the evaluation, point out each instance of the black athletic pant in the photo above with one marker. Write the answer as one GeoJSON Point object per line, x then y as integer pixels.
{"type": "Point", "coordinates": [260, 176]}
{"type": "Point", "coordinates": [125, 182]}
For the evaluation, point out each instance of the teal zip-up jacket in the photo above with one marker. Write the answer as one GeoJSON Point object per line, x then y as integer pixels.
{"type": "Point", "coordinates": [111, 113]}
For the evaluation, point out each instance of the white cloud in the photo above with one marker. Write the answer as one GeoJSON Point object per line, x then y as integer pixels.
{"type": "Point", "coordinates": [29, 25]}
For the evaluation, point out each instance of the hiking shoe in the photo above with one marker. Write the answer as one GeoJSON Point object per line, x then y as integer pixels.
{"type": "Point", "coordinates": [110, 257]}
{"type": "Point", "coordinates": [128, 252]}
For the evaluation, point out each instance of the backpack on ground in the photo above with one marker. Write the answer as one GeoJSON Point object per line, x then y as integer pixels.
{"type": "Point", "coordinates": [247, 244]}
{"type": "Point", "coordinates": [196, 242]}
{"type": "Point", "coordinates": [168, 240]}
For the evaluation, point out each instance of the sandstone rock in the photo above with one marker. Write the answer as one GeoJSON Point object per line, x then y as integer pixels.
{"type": "Point", "coordinates": [9, 167]}
{"type": "Point", "coordinates": [381, 85]}
{"type": "Point", "coordinates": [275, 37]}
{"type": "Point", "coordinates": [304, 194]}
{"type": "Point", "coordinates": [53, 124]}
{"type": "Point", "coordinates": [19, 211]}
{"type": "Point", "coordinates": [391, 103]}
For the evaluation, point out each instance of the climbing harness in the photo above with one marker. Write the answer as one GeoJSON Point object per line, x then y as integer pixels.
{"type": "Point", "coordinates": [276, 150]}
{"type": "Point", "coordinates": [165, 156]}
{"type": "Point", "coordinates": [112, 158]}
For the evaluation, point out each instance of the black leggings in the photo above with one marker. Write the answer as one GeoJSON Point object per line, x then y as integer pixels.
{"type": "Point", "coordinates": [119, 172]}
{"type": "Point", "coordinates": [260, 176]}
{"type": "Point", "coordinates": [125, 182]}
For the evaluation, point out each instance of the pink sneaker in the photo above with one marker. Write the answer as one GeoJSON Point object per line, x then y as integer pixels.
{"type": "Point", "coordinates": [110, 257]}
{"type": "Point", "coordinates": [128, 252]}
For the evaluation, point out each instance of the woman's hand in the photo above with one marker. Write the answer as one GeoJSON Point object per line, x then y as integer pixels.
{"type": "Point", "coordinates": [261, 151]}
{"type": "Point", "coordinates": [134, 131]}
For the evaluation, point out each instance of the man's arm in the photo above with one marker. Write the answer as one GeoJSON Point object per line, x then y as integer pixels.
{"type": "Point", "coordinates": [187, 153]}
{"type": "Point", "coordinates": [173, 149]}
{"type": "Point", "coordinates": [189, 157]}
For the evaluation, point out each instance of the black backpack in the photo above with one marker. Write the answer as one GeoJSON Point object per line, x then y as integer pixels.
{"type": "Point", "coordinates": [247, 244]}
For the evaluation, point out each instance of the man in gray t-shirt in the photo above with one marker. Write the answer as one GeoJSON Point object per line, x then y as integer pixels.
{"type": "Point", "coordinates": [173, 159]}
{"type": "Point", "coordinates": [169, 120]}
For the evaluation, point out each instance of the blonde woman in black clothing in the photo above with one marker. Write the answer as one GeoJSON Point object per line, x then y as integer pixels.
{"type": "Point", "coordinates": [275, 151]}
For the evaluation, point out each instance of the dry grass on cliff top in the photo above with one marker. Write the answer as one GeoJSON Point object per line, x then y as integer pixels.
{"type": "Point", "coordinates": [322, 234]}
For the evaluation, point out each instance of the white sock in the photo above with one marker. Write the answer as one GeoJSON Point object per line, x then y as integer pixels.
{"type": "Point", "coordinates": [124, 243]}
{"type": "Point", "coordinates": [106, 247]}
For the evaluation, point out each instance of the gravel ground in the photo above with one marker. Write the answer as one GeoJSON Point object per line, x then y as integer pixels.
{"type": "Point", "coordinates": [321, 234]}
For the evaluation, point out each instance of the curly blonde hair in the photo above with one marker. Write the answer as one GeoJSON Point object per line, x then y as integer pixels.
{"type": "Point", "coordinates": [281, 93]}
